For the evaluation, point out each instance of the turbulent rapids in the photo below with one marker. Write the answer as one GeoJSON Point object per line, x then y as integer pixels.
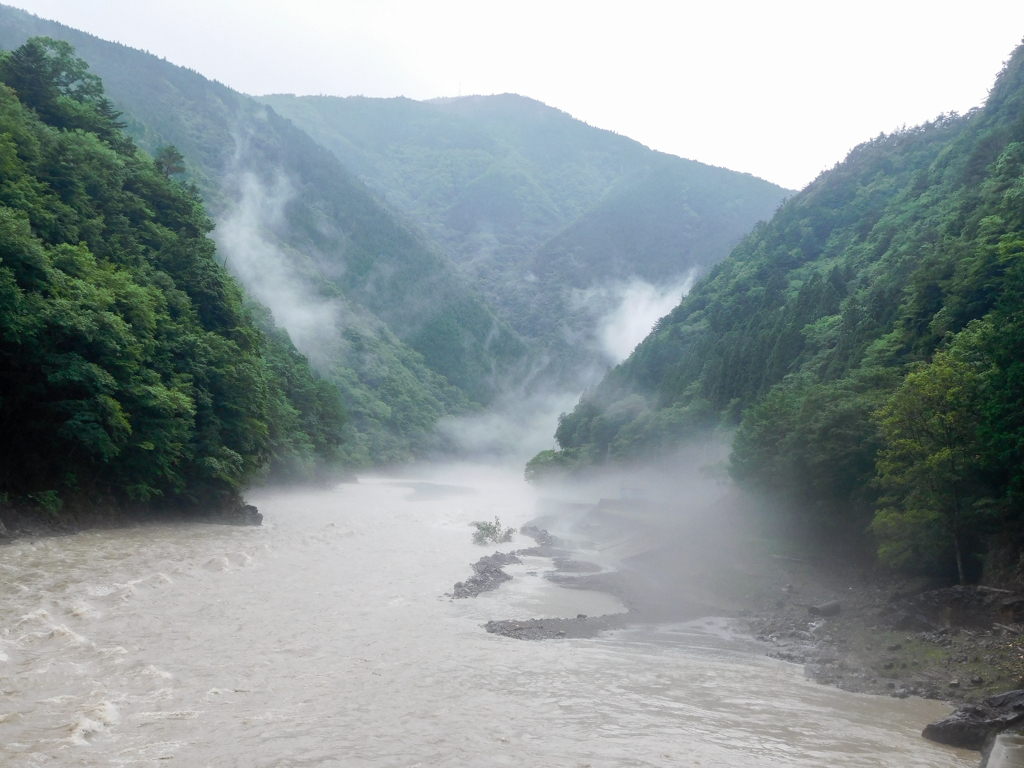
{"type": "Point", "coordinates": [325, 637]}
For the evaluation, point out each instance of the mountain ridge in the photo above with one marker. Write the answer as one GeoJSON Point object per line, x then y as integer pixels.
{"type": "Point", "coordinates": [330, 239]}
{"type": "Point", "coordinates": [507, 183]}
{"type": "Point", "coordinates": [890, 286]}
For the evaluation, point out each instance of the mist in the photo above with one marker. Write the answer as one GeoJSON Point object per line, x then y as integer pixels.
{"type": "Point", "coordinates": [512, 430]}
{"type": "Point", "coordinates": [921, 64]}
{"type": "Point", "coordinates": [243, 574]}
{"type": "Point", "coordinates": [522, 421]}
{"type": "Point", "coordinates": [245, 239]}
{"type": "Point", "coordinates": [640, 306]}
{"type": "Point", "coordinates": [674, 528]}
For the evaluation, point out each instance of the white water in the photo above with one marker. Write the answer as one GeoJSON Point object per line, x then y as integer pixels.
{"type": "Point", "coordinates": [323, 639]}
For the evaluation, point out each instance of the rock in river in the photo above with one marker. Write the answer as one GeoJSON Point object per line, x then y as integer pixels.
{"type": "Point", "coordinates": [831, 608]}
{"type": "Point", "coordinates": [974, 724]}
{"type": "Point", "coordinates": [487, 575]}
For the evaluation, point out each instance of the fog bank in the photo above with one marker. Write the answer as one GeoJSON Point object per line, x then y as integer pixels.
{"type": "Point", "coordinates": [640, 306]}
{"type": "Point", "coordinates": [245, 238]}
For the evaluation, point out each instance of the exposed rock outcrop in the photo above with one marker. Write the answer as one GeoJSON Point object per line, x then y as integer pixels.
{"type": "Point", "coordinates": [540, 535]}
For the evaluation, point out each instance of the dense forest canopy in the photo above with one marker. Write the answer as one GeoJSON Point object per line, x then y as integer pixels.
{"type": "Point", "coordinates": [131, 368]}
{"type": "Point", "coordinates": [391, 267]}
{"type": "Point", "coordinates": [398, 330]}
{"type": "Point", "coordinates": [867, 342]}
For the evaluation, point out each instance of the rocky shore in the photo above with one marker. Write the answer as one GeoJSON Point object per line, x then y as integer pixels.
{"type": "Point", "coordinates": [894, 637]}
{"type": "Point", "coordinates": [955, 644]}
{"type": "Point", "coordinates": [962, 644]}
{"type": "Point", "coordinates": [488, 573]}
{"type": "Point", "coordinates": [569, 572]}
{"type": "Point", "coordinates": [852, 628]}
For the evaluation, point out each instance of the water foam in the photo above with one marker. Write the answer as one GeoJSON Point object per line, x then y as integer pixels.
{"type": "Point", "coordinates": [83, 730]}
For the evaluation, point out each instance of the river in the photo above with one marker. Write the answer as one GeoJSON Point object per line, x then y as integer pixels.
{"type": "Point", "coordinates": [323, 638]}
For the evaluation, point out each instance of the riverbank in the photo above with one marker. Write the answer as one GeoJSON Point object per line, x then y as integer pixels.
{"type": "Point", "coordinates": [851, 627]}
{"type": "Point", "coordinates": [885, 635]}
{"type": "Point", "coordinates": [960, 644]}
{"type": "Point", "coordinates": [892, 637]}
{"type": "Point", "coordinates": [18, 522]}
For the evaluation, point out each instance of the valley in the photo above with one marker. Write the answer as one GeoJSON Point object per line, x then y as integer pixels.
{"type": "Point", "coordinates": [268, 360]}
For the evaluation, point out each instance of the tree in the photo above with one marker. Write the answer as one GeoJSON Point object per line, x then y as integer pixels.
{"type": "Point", "coordinates": [43, 70]}
{"type": "Point", "coordinates": [131, 373]}
{"type": "Point", "coordinates": [929, 465]}
{"type": "Point", "coordinates": [48, 77]}
{"type": "Point", "coordinates": [170, 161]}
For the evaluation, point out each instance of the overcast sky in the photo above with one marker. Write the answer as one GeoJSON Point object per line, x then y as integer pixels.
{"type": "Point", "coordinates": [781, 89]}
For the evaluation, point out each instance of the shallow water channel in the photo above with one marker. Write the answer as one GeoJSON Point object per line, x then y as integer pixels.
{"type": "Point", "coordinates": [324, 638]}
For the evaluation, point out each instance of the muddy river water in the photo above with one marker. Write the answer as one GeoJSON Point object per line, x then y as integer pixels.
{"type": "Point", "coordinates": [324, 638]}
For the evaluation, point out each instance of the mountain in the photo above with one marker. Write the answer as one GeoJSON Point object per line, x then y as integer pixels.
{"type": "Point", "coordinates": [867, 344]}
{"type": "Point", "coordinates": [380, 310]}
{"type": "Point", "coordinates": [131, 371]}
{"type": "Point", "coordinates": [551, 218]}
{"type": "Point", "coordinates": [439, 254]}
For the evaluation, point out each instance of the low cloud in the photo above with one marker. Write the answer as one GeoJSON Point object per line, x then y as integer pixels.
{"type": "Point", "coordinates": [511, 430]}
{"type": "Point", "coordinates": [245, 238]}
{"type": "Point", "coordinates": [641, 305]}
{"type": "Point", "coordinates": [621, 314]}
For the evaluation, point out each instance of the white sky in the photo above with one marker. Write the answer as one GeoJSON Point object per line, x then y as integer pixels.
{"type": "Point", "coordinates": [779, 89]}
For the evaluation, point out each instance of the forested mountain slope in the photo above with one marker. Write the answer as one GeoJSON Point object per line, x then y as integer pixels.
{"type": "Point", "coordinates": [537, 207]}
{"type": "Point", "coordinates": [381, 311]}
{"type": "Point", "coordinates": [868, 342]}
{"type": "Point", "coordinates": [130, 370]}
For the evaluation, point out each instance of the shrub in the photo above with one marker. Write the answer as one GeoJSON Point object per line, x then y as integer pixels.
{"type": "Point", "coordinates": [492, 532]}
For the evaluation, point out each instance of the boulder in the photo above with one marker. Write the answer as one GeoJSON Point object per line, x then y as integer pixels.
{"type": "Point", "coordinates": [243, 514]}
{"type": "Point", "coordinates": [831, 608]}
{"type": "Point", "coordinates": [971, 726]}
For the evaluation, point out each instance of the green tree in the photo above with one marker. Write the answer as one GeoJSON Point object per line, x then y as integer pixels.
{"type": "Point", "coordinates": [929, 465]}
{"type": "Point", "coordinates": [44, 69]}
{"type": "Point", "coordinates": [170, 161]}
{"type": "Point", "coordinates": [130, 370]}
{"type": "Point", "coordinates": [50, 79]}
